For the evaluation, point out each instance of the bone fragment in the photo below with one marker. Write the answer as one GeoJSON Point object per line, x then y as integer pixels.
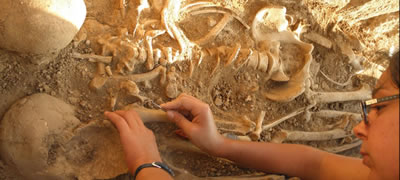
{"type": "Point", "coordinates": [142, 55]}
{"type": "Point", "coordinates": [253, 60]}
{"type": "Point", "coordinates": [280, 120]}
{"type": "Point", "coordinates": [157, 55]}
{"type": "Point", "coordinates": [93, 57]}
{"type": "Point", "coordinates": [328, 97]}
{"type": "Point", "coordinates": [158, 71]}
{"type": "Point", "coordinates": [286, 135]}
{"type": "Point", "coordinates": [100, 69]}
{"type": "Point", "coordinates": [132, 89]}
{"type": "Point", "coordinates": [343, 148]}
{"type": "Point", "coordinates": [113, 102]}
{"type": "Point", "coordinates": [216, 66]}
{"type": "Point", "coordinates": [262, 62]}
{"type": "Point", "coordinates": [215, 31]}
{"type": "Point", "coordinates": [97, 82]}
{"type": "Point", "coordinates": [319, 39]}
{"type": "Point", "coordinates": [108, 71]}
{"type": "Point", "coordinates": [232, 58]}
{"type": "Point", "coordinates": [255, 135]}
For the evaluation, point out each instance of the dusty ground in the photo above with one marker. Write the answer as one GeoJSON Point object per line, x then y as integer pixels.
{"type": "Point", "coordinates": [230, 93]}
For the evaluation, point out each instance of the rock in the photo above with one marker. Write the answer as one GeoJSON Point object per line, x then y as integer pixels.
{"type": "Point", "coordinates": [40, 27]}
{"type": "Point", "coordinates": [43, 139]}
{"type": "Point", "coordinates": [218, 101]}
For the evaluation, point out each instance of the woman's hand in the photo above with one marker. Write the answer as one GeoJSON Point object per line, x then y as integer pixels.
{"type": "Point", "coordinates": [196, 121]}
{"type": "Point", "coordinates": [138, 141]}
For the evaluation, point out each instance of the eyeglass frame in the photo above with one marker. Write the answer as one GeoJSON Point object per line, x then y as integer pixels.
{"type": "Point", "coordinates": [365, 104]}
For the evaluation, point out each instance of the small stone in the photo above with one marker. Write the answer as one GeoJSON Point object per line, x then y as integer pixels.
{"type": "Point", "coordinates": [218, 101]}
{"type": "Point", "coordinates": [2, 67]}
{"type": "Point", "coordinates": [248, 98]}
{"type": "Point", "coordinates": [87, 42]}
{"type": "Point", "coordinates": [73, 100]}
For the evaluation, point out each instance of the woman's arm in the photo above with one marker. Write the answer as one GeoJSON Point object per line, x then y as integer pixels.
{"type": "Point", "coordinates": [290, 159]}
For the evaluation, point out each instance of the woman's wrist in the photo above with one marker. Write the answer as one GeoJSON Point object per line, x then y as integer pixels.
{"type": "Point", "coordinates": [222, 148]}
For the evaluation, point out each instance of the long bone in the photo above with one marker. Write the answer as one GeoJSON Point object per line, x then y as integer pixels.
{"type": "Point", "coordinates": [328, 97]}
{"type": "Point", "coordinates": [286, 135]}
{"type": "Point", "coordinates": [158, 71]}
{"type": "Point", "coordinates": [93, 57]}
{"type": "Point", "coordinates": [284, 118]}
{"type": "Point", "coordinates": [334, 114]}
{"type": "Point", "coordinates": [170, 14]}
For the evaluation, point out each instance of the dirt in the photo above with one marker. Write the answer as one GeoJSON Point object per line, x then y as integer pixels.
{"type": "Point", "coordinates": [231, 93]}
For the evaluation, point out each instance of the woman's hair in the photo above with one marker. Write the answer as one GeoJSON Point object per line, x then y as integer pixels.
{"type": "Point", "coordinates": [394, 69]}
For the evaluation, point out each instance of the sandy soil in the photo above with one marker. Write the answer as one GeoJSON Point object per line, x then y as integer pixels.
{"type": "Point", "coordinates": [231, 93]}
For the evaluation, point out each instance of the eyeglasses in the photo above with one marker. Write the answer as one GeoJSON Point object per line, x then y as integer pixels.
{"type": "Point", "coordinates": [366, 105]}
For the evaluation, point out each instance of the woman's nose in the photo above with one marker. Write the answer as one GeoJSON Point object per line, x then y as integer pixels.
{"type": "Point", "coordinates": [361, 130]}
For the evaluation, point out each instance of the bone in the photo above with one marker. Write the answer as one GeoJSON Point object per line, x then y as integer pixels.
{"type": "Point", "coordinates": [216, 65]}
{"type": "Point", "coordinates": [242, 61]}
{"type": "Point", "coordinates": [340, 149]}
{"type": "Point", "coordinates": [337, 83]}
{"type": "Point", "coordinates": [108, 71]}
{"type": "Point", "coordinates": [93, 57]}
{"type": "Point", "coordinates": [328, 97]}
{"type": "Point", "coordinates": [263, 62]}
{"type": "Point", "coordinates": [142, 55]}
{"type": "Point", "coordinates": [242, 126]}
{"type": "Point", "coordinates": [97, 82]}
{"type": "Point", "coordinates": [158, 71]}
{"type": "Point", "coordinates": [144, 4]}
{"type": "Point", "coordinates": [132, 89]}
{"type": "Point", "coordinates": [149, 44]}
{"type": "Point", "coordinates": [113, 102]}
{"type": "Point", "coordinates": [232, 58]}
{"type": "Point", "coordinates": [236, 137]}
{"type": "Point", "coordinates": [286, 135]}
{"type": "Point", "coordinates": [284, 118]}
{"type": "Point", "coordinates": [148, 115]}
{"type": "Point", "coordinates": [169, 15]}
{"type": "Point", "coordinates": [100, 69]}
{"type": "Point", "coordinates": [157, 55]}
{"type": "Point", "coordinates": [202, 9]}
{"type": "Point", "coordinates": [335, 114]}
{"type": "Point", "coordinates": [215, 31]}
{"type": "Point", "coordinates": [253, 60]}
{"type": "Point", "coordinates": [319, 39]}
{"type": "Point", "coordinates": [255, 135]}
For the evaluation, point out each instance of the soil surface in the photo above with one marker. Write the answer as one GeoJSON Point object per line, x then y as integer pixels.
{"type": "Point", "coordinates": [231, 92]}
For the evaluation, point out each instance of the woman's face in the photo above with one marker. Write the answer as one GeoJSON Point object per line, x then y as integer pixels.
{"type": "Point", "coordinates": [380, 148]}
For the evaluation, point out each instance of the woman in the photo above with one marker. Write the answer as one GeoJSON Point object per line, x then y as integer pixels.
{"type": "Point", "coordinates": [379, 132]}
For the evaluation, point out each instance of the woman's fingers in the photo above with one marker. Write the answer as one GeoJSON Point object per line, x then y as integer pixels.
{"type": "Point", "coordinates": [131, 117]}
{"type": "Point", "coordinates": [118, 121]}
{"type": "Point", "coordinates": [184, 102]}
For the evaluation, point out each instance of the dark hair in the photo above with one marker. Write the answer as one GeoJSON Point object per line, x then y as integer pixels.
{"type": "Point", "coordinates": [394, 69]}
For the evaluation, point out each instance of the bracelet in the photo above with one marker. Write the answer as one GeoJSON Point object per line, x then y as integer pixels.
{"type": "Point", "coordinates": [159, 165]}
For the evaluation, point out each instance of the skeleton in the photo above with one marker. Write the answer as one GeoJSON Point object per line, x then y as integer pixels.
{"type": "Point", "coordinates": [271, 34]}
